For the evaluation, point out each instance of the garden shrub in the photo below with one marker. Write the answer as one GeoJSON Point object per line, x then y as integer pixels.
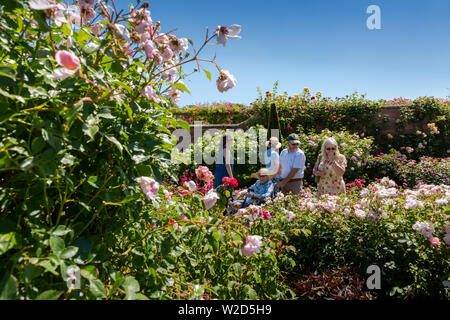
{"type": "Point", "coordinates": [409, 172]}
{"type": "Point", "coordinates": [216, 113]}
{"type": "Point", "coordinates": [85, 111]}
{"type": "Point", "coordinates": [404, 232]}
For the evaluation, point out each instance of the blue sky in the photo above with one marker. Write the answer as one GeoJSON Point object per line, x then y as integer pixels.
{"type": "Point", "coordinates": [322, 44]}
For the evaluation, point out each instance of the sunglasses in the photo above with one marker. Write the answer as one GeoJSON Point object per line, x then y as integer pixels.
{"type": "Point", "coordinates": [331, 149]}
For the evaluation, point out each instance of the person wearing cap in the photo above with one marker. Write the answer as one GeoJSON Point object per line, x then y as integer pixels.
{"type": "Point", "coordinates": [292, 166]}
{"type": "Point", "coordinates": [258, 192]}
{"type": "Point", "coordinates": [272, 158]}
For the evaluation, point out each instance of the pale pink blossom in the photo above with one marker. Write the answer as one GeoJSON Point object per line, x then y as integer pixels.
{"type": "Point", "coordinates": [225, 81]}
{"type": "Point", "coordinates": [174, 94]}
{"type": "Point", "coordinates": [96, 29]}
{"type": "Point", "coordinates": [67, 59]}
{"type": "Point", "coordinates": [425, 228]}
{"type": "Point", "coordinates": [435, 241]}
{"type": "Point", "coordinates": [412, 203]}
{"type": "Point", "coordinates": [210, 199]}
{"type": "Point", "coordinates": [167, 194]}
{"type": "Point", "coordinates": [74, 17]}
{"type": "Point", "coordinates": [150, 94]}
{"type": "Point", "coordinates": [447, 239]}
{"type": "Point", "coordinates": [167, 54]}
{"type": "Point", "coordinates": [252, 245]}
{"type": "Point", "coordinates": [169, 71]}
{"type": "Point", "coordinates": [122, 32]}
{"type": "Point", "coordinates": [69, 62]}
{"type": "Point", "coordinates": [42, 4]}
{"type": "Point", "coordinates": [190, 185]}
{"type": "Point", "coordinates": [203, 173]}
{"type": "Point", "coordinates": [223, 33]}
{"type": "Point", "coordinates": [152, 52]}
{"type": "Point", "coordinates": [86, 11]}
{"type": "Point", "coordinates": [291, 215]}
{"type": "Point", "coordinates": [149, 187]}
{"type": "Point", "coordinates": [178, 45]}
{"type": "Point", "coordinates": [361, 214]}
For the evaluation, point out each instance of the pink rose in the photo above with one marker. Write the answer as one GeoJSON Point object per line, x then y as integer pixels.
{"type": "Point", "coordinates": [210, 199]}
{"type": "Point", "coordinates": [96, 29]}
{"type": "Point", "coordinates": [203, 174]}
{"type": "Point", "coordinates": [435, 241]}
{"type": "Point", "coordinates": [252, 245]}
{"type": "Point", "coordinates": [190, 185]}
{"type": "Point", "coordinates": [149, 187]}
{"type": "Point", "coordinates": [150, 94]}
{"type": "Point", "coordinates": [225, 81]}
{"type": "Point", "coordinates": [266, 214]}
{"type": "Point", "coordinates": [67, 59]}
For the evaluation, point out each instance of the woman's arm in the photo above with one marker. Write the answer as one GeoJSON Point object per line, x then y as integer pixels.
{"type": "Point", "coordinates": [227, 163]}
{"type": "Point", "coordinates": [316, 166]}
{"type": "Point", "coordinates": [338, 168]}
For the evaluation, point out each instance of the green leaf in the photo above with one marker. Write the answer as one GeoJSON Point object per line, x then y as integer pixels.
{"type": "Point", "coordinates": [57, 245]}
{"type": "Point", "coordinates": [8, 71]}
{"type": "Point", "coordinates": [97, 289]}
{"type": "Point", "coordinates": [31, 272]}
{"type": "Point", "coordinates": [8, 287]}
{"type": "Point", "coordinates": [90, 129]}
{"type": "Point", "coordinates": [8, 236]}
{"type": "Point", "coordinates": [121, 85]}
{"type": "Point", "coordinates": [91, 47]}
{"type": "Point", "coordinates": [94, 181]}
{"type": "Point", "coordinates": [68, 159]}
{"type": "Point", "coordinates": [180, 86]}
{"type": "Point", "coordinates": [184, 125]}
{"type": "Point", "coordinates": [114, 141]}
{"type": "Point", "coordinates": [28, 163]}
{"type": "Point", "coordinates": [131, 286]}
{"type": "Point", "coordinates": [82, 36]}
{"type": "Point", "coordinates": [71, 114]}
{"type": "Point", "coordinates": [49, 266]}
{"type": "Point", "coordinates": [89, 272]}
{"type": "Point", "coordinates": [66, 29]}
{"type": "Point", "coordinates": [49, 295]}
{"type": "Point", "coordinates": [208, 74]}
{"type": "Point", "coordinates": [54, 141]}
{"type": "Point", "coordinates": [69, 252]}
{"type": "Point", "coordinates": [61, 231]}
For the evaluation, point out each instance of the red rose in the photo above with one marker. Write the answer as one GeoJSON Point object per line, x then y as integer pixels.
{"type": "Point", "coordinates": [233, 182]}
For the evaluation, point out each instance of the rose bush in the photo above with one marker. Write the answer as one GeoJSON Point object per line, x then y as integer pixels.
{"type": "Point", "coordinates": [85, 92]}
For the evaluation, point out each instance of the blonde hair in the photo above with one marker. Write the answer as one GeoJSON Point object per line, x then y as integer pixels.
{"type": "Point", "coordinates": [330, 141]}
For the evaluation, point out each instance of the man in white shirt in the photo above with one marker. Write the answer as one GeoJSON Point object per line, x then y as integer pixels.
{"type": "Point", "coordinates": [292, 166]}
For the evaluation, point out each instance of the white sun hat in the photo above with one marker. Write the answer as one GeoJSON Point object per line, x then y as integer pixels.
{"type": "Point", "coordinates": [274, 142]}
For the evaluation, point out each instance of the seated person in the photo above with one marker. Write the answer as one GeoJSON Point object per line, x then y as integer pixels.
{"type": "Point", "coordinates": [257, 193]}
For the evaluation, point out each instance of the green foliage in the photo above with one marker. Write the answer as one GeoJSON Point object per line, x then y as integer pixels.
{"type": "Point", "coordinates": [214, 113]}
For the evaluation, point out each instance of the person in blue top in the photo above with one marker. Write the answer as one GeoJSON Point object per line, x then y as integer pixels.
{"type": "Point", "coordinates": [272, 159]}
{"type": "Point", "coordinates": [258, 192]}
{"type": "Point", "coordinates": [224, 161]}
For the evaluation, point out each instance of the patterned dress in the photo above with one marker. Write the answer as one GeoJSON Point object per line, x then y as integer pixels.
{"type": "Point", "coordinates": [331, 183]}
